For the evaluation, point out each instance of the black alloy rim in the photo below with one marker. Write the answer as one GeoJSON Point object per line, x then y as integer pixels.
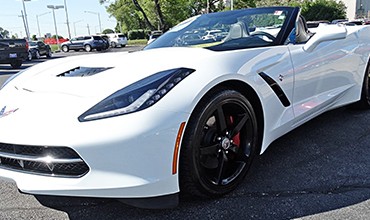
{"type": "Point", "coordinates": [225, 142]}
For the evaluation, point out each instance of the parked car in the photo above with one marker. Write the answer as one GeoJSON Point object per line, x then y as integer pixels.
{"type": "Point", "coordinates": [315, 24]}
{"type": "Point", "coordinates": [154, 36]}
{"type": "Point", "coordinates": [38, 49]}
{"type": "Point", "coordinates": [106, 41]}
{"type": "Point", "coordinates": [13, 51]}
{"type": "Point", "coordinates": [117, 39]}
{"type": "Point", "coordinates": [87, 43]}
{"type": "Point", "coordinates": [178, 117]}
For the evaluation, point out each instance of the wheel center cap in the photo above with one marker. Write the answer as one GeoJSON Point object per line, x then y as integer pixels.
{"type": "Point", "coordinates": [226, 143]}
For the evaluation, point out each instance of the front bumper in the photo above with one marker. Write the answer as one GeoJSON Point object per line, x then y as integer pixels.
{"type": "Point", "coordinates": [129, 156]}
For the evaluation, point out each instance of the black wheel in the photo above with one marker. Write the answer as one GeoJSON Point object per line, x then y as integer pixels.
{"type": "Point", "coordinates": [16, 64]}
{"type": "Point", "coordinates": [49, 54]}
{"type": "Point", "coordinates": [65, 48]}
{"type": "Point", "coordinates": [37, 54]}
{"type": "Point", "coordinates": [87, 48]}
{"type": "Point", "coordinates": [29, 56]}
{"type": "Point", "coordinates": [113, 44]}
{"type": "Point", "coordinates": [364, 102]}
{"type": "Point", "coordinates": [218, 145]}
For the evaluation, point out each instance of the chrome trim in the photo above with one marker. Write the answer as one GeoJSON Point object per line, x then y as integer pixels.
{"type": "Point", "coordinates": [42, 174]}
{"type": "Point", "coordinates": [46, 159]}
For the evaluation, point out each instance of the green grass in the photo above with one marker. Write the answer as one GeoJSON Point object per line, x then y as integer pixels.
{"type": "Point", "coordinates": [54, 47]}
{"type": "Point", "coordinates": [139, 42]}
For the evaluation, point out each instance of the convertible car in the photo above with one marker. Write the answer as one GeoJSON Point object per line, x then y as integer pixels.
{"type": "Point", "coordinates": [186, 114]}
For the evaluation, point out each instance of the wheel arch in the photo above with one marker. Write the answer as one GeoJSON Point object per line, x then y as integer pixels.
{"type": "Point", "coordinates": [247, 91]}
{"type": "Point", "coordinates": [186, 181]}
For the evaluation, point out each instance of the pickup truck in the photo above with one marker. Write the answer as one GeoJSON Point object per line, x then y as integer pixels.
{"type": "Point", "coordinates": [13, 51]}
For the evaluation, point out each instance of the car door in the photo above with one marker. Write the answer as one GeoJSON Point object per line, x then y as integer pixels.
{"type": "Point", "coordinates": [322, 74]}
{"type": "Point", "coordinates": [77, 43]}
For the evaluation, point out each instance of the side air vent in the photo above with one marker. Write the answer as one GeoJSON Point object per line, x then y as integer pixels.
{"type": "Point", "coordinates": [83, 71]}
{"type": "Point", "coordinates": [276, 88]}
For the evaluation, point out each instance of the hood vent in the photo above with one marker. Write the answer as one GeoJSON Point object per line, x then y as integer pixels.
{"type": "Point", "coordinates": [83, 71]}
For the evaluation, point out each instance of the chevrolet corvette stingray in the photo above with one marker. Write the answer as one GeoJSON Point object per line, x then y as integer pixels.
{"type": "Point", "coordinates": [188, 113]}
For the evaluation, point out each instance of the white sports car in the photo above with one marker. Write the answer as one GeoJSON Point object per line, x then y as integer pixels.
{"type": "Point", "coordinates": [185, 114]}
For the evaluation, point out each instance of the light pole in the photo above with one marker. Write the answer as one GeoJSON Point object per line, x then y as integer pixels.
{"type": "Point", "coordinates": [96, 13]}
{"type": "Point", "coordinates": [55, 7]}
{"type": "Point", "coordinates": [26, 21]}
{"type": "Point", "coordinates": [88, 28]}
{"type": "Point", "coordinates": [74, 26]}
{"type": "Point", "coordinates": [69, 30]}
{"type": "Point", "coordinates": [37, 19]}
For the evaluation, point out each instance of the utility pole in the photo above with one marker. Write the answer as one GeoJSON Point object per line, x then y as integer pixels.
{"type": "Point", "coordinates": [24, 23]}
{"type": "Point", "coordinates": [88, 29]}
{"type": "Point", "coordinates": [69, 30]}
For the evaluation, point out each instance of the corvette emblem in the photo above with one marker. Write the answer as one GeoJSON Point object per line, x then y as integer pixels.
{"type": "Point", "coordinates": [4, 113]}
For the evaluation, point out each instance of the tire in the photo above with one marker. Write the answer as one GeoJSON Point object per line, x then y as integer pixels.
{"type": "Point", "coordinates": [113, 44]}
{"type": "Point", "coordinates": [65, 48]}
{"type": "Point", "coordinates": [49, 54]}
{"type": "Point", "coordinates": [87, 48]}
{"type": "Point", "coordinates": [219, 145]}
{"type": "Point", "coordinates": [364, 102]}
{"type": "Point", "coordinates": [29, 56]}
{"type": "Point", "coordinates": [37, 54]}
{"type": "Point", "coordinates": [16, 64]}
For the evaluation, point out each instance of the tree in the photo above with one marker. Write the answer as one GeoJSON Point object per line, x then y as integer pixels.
{"type": "Point", "coordinates": [55, 37]}
{"type": "Point", "coordinates": [4, 33]}
{"type": "Point", "coordinates": [149, 14]}
{"type": "Point", "coordinates": [164, 14]}
{"type": "Point", "coordinates": [108, 31]}
{"type": "Point", "coordinates": [312, 10]}
{"type": "Point", "coordinates": [323, 10]}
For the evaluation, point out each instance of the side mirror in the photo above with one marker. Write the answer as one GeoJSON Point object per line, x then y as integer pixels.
{"type": "Point", "coordinates": [325, 33]}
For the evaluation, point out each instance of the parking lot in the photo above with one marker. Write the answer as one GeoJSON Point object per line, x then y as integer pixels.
{"type": "Point", "coordinates": [319, 171]}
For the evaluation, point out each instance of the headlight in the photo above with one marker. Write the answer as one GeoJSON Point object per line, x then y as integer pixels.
{"type": "Point", "coordinates": [11, 78]}
{"type": "Point", "coordinates": [137, 96]}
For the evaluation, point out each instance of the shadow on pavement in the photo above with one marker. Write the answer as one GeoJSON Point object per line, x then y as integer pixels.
{"type": "Point", "coordinates": [319, 167]}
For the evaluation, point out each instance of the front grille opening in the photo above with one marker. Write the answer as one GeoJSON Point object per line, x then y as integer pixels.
{"type": "Point", "coordinates": [43, 160]}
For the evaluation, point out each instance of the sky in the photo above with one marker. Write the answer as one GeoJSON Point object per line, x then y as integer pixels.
{"type": "Point", "coordinates": [79, 20]}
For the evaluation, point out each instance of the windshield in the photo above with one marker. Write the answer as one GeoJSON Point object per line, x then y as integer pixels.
{"type": "Point", "coordinates": [229, 30]}
{"type": "Point", "coordinates": [32, 43]}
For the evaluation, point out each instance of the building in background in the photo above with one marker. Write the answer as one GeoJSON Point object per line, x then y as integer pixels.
{"type": "Point", "coordinates": [357, 9]}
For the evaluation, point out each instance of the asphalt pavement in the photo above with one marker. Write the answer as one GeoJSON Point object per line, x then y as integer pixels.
{"type": "Point", "coordinates": [321, 170]}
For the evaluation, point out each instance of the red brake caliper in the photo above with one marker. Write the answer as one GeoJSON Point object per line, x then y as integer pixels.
{"type": "Point", "coordinates": [236, 138]}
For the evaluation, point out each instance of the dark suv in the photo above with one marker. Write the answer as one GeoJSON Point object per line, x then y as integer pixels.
{"type": "Point", "coordinates": [87, 43]}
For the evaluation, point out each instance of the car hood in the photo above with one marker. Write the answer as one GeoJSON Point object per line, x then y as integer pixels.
{"type": "Point", "coordinates": [100, 75]}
